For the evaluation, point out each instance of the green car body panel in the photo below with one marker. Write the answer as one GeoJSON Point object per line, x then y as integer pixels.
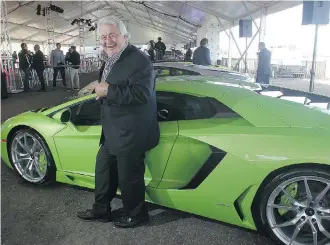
{"type": "Point", "coordinates": [239, 152]}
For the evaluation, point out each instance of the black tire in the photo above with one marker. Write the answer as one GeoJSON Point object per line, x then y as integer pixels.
{"type": "Point", "coordinates": [261, 200]}
{"type": "Point", "coordinates": [50, 175]}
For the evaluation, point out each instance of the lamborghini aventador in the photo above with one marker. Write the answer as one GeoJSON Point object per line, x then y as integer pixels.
{"type": "Point", "coordinates": [226, 152]}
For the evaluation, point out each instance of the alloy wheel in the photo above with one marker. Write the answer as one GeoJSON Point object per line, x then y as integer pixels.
{"type": "Point", "coordinates": [28, 157]}
{"type": "Point", "coordinates": [298, 211]}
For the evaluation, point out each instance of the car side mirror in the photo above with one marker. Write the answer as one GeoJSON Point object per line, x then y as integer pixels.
{"type": "Point", "coordinates": [63, 116]}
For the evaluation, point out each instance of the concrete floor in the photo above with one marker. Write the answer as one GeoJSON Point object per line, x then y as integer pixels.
{"type": "Point", "coordinates": [33, 215]}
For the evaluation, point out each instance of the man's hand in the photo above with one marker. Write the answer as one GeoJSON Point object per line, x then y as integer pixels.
{"type": "Point", "coordinates": [101, 89]}
{"type": "Point", "coordinates": [90, 87]}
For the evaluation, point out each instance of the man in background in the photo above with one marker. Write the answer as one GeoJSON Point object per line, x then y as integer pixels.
{"type": "Point", "coordinates": [25, 57]}
{"type": "Point", "coordinates": [202, 54]}
{"type": "Point", "coordinates": [264, 70]}
{"type": "Point", "coordinates": [57, 60]}
{"type": "Point", "coordinates": [14, 56]}
{"type": "Point", "coordinates": [188, 55]}
{"type": "Point", "coordinates": [38, 65]}
{"type": "Point", "coordinates": [160, 49]}
{"type": "Point", "coordinates": [67, 55]}
{"type": "Point", "coordinates": [74, 61]}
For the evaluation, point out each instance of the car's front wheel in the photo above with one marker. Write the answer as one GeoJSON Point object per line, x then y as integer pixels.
{"type": "Point", "coordinates": [30, 157]}
{"type": "Point", "coordinates": [294, 207]}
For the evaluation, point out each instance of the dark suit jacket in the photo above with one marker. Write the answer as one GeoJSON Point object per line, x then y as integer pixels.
{"type": "Point", "coordinates": [129, 112]}
{"type": "Point", "coordinates": [202, 56]}
{"type": "Point", "coordinates": [264, 62]}
{"type": "Point", "coordinates": [23, 56]}
{"type": "Point", "coordinates": [38, 61]}
{"type": "Point", "coordinates": [74, 59]}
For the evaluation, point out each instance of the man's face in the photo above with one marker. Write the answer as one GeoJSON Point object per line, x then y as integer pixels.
{"type": "Point", "coordinates": [58, 46]}
{"type": "Point", "coordinates": [25, 46]}
{"type": "Point", "coordinates": [111, 39]}
{"type": "Point", "coordinates": [35, 48]}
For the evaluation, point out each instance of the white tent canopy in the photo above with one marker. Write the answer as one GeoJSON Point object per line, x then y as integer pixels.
{"type": "Point", "coordinates": [174, 21]}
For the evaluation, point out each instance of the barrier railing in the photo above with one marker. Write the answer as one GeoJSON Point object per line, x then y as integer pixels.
{"type": "Point", "coordinates": [15, 76]}
{"type": "Point", "coordinates": [9, 69]}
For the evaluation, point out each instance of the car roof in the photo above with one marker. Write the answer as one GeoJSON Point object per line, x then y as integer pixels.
{"type": "Point", "coordinates": [191, 66]}
{"type": "Point", "coordinates": [217, 80]}
{"type": "Point", "coordinates": [258, 109]}
{"type": "Point", "coordinates": [201, 87]}
{"type": "Point", "coordinates": [203, 70]}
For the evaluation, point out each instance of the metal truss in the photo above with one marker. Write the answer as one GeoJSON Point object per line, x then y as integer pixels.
{"type": "Point", "coordinates": [50, 30]}
{"type": "Point", "coordinates": [6, 60]}
{"type": "Point", "coordinates": [5, 38]}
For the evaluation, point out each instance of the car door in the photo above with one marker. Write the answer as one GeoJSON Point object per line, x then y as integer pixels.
{"type": "Point", "coordinates": [192, 159]}
{"type": "Point", "coordinates": [78, 144]}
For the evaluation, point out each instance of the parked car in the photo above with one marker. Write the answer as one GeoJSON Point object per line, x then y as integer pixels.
{"type": "Point", "coordinates": [225, 152]}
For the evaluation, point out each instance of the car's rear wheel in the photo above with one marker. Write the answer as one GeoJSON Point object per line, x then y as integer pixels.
{"type": "Point", "coordinates": [295, 207]}
{"type": "Point", "coordinates": [31, 157]}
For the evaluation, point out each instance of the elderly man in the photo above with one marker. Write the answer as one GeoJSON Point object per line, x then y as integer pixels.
{"type": "Point", "coordinates": [129, 126]}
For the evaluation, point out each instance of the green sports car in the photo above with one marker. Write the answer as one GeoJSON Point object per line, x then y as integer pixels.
{"type": "Point", "coordinates": [226, 153]}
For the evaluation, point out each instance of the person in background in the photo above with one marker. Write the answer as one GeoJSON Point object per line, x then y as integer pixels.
{"type": "Point", "coordinates": [57, 60]}
{"type": "Point", "coordinates": [74, 60]}
{"type": "Point", "coordinates": [160, 49]}
{"type": "Point", "coordinates": [188, 55]}
{"type": "Point", "coordinates": [151, 50]}
{"type": "Point", "coordinates": [24, 59]}
{"type": "Point", "coordinates": [67, 55]}
{"type": "Point", "coordinates": [38, 65]}
{"type": "Point", "coordinates": [264, 69]}
{"type": "Point", "coordinates": [14, 56]}
{"type": "Point", "coordinates": [129, 126]}
{"type": "Point", "coordinates": [202, 54]}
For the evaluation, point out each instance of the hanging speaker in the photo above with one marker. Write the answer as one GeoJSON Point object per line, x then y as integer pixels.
{"type": "Point", "coordinates": [316, 12]}
{"type": "Point", "coordinates": [245, 28]}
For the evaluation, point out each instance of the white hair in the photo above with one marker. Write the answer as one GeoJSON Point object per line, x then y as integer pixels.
{"type": "Point", "coordinates": [112, 20]}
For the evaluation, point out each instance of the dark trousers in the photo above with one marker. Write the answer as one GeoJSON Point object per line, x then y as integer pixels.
{"type": "Point", "coordinates": [62, 71]}
{"type": "Point", "coordinates": [4, 91]}
{"type": "Point", "coordinates": [125, 172]}
{"type": "Point", "coordinates": [27, 74]}
{"type": "Point", "coordinates": [40, 74]}
{"type": "Point", "coordinates": [262, 78]}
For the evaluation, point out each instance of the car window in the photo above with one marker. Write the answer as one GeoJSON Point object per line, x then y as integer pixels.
{"type": "Point", "coordinates": [175, 106]}
{"type": "Point", "coordinates": [87, 113]}
{"type": "Point", "coordinates": [171, 71]}
{"type": "Point", "coordinates": [162, 71]}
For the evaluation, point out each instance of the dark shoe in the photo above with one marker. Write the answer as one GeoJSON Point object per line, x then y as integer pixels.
{"type": "Point", "coordinates": [128, 222]}
{"type": "Point", "coordinates": [91, 215]}
{"type": "Point", "coordinates": [42, 90]}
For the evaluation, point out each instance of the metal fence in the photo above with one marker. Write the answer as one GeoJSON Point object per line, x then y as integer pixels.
{"type": "Point", "coordinates": [322, 67]}
{"type": "Point", "coordinates": [15, 76]}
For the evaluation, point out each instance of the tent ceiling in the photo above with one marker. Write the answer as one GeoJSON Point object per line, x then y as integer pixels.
{"type": "Point", "coordinates": [179, 19]}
